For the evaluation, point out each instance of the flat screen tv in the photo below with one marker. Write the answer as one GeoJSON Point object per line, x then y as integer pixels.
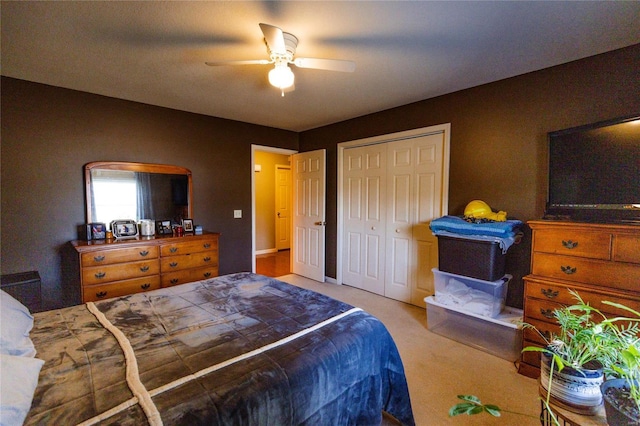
{"type": "Point", "coordinates": [594, 172]}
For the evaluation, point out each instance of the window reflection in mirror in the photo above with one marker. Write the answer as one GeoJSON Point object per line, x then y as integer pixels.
{"type": "Point", "coordinates": [137, 191]}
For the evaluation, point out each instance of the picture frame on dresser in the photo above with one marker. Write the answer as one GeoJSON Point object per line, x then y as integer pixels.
{"type": "Point", "coordinates": [187, 224]}
{"type": "Point", "coordinates": [163, 227]}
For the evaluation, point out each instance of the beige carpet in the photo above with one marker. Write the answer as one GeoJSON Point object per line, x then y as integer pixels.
{"type": "Point", "coordinates": [437, 368]}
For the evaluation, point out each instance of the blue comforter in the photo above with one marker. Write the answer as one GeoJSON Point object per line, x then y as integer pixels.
{"type": "Point", "coordinates": [241, 349]}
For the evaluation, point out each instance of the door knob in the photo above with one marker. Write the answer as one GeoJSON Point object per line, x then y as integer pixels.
{"type": "Point", "coordinates": [322, 223]}
{"type": "Point", "coordinates": [278, 214]}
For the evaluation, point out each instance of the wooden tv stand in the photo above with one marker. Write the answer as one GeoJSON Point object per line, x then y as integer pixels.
{"type": "Point", "coordinates": [599, 261]}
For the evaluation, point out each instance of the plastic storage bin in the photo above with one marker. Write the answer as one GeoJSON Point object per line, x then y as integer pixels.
{"type": "Point", "coordinates": [500, 336]}
{"type": "Point", "coordinates": [473, 258]}
{"type": "Point", "coordinates": [486, 298]}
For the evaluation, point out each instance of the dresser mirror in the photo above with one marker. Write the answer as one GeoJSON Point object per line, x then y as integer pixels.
{"type": "Point", "coordinates": [120, 190]}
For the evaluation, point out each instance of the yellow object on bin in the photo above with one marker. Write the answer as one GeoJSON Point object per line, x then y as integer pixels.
{"type": "Point", "coordinates": [478, 209]}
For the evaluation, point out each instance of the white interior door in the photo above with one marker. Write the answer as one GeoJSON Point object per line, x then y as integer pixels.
{"type": "Point", "coordinates": [400, 219]}
{"type": "Point", "coordinates": [283, 207]}
{"type": "Point", "coordinates": [309, 180]}
{"type": "Point", "coordinates": [429, 187]}
{"type": "Point", "coordinates": [364, 219]}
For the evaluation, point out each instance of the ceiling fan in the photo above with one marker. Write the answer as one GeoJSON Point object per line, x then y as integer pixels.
{"type": "Point", "coordinates": [281, 48]}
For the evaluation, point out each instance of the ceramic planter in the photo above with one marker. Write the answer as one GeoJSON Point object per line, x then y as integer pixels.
{"type": "Point", "coordinates": [575, 390]}
{"type": "Point", "coordinates": [615, 415]}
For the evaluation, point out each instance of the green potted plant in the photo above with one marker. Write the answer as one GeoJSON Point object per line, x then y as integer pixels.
{"type": "Point", "coordinates": [588, 346]}
{"type": "Point", "coordinates": [621, 390]}
{"type": "Point", "coordinates": [578, 357]}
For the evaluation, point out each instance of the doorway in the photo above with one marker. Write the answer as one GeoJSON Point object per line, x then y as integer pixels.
{"type": "Point", "coordinates": [270, 254]}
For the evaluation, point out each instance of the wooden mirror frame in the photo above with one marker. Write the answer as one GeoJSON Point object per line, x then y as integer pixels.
{"type": "Point", "coordinates": [134, 167]}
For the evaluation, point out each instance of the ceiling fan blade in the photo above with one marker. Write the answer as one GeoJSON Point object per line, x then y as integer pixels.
{"type": "Point", "coordinates": [248, 62]}
{"type": "Point", "coordinates": [325, 64]}
{"type": "Point", "coordinates": [274, 38]}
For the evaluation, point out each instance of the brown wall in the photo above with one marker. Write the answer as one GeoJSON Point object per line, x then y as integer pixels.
{"type": "Point", "coordinates": [49, 133]}
{"type": "Point", "coordinates": [498, 154]}
{"type": "Point", "coordinates": [498, 135]}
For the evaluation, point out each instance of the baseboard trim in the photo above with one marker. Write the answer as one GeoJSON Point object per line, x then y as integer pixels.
{"type": "Point", "coordinates": [267, 251]}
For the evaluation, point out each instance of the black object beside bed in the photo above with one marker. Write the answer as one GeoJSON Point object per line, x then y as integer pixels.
{"type": "Point", "coordinates": [237, 349]}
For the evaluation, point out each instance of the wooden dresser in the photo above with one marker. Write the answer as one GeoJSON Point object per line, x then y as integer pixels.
{"type": "Point", "coordinates": [111, 268]}
{"type": "Point", "coordinates": [598, 261]}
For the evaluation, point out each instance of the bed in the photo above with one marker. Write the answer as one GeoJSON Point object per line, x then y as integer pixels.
{"type": "Point", "coordinates": [237, 349]}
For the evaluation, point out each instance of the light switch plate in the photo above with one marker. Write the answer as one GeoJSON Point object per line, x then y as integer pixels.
{"type": "Point", "coordinates": [237, 214]}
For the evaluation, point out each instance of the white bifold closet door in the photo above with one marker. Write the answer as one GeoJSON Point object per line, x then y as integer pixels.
{"type": "Point", "coordinates": [391, 192]}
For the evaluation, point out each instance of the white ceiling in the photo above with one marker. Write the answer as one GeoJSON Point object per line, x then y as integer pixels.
{"type": "Point", "coordinates": [154, 51]}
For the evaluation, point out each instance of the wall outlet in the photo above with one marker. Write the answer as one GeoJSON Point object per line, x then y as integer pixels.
{"type": "Point", "coordinates": [237, 214]}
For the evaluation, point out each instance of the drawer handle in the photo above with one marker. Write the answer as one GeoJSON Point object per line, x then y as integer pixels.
{"type": "Point", "coordinates": [207, 259]}
{"type": "Point", "coordinates": [569, 270]}
{"type": "Point", "coordinates": [207, 274]}
{"type": "Point", "coordinates": [569, 244]}
{"type": "Point", "coordinates": [98, 258]}
{"type": "Point", "coordinates": [101, 294]}
{"type": "Point", "coordinates": [550, 293]}
{"type": "Point", "coordinates": [173, 264]}
{"type": "Point", "coordinates": [173, 249]}
{"type": "Point", "coordinates": [145, 286]}
{"type": "Point", "coordinates": [144, 253]}
{"type": "Point", "coordinates": [144, 268]}
{"type": "Point", "coordinates": [547, 313]}
{"type": "Point", "coordinates": [100, 275]}
{"type": "Point", "coordinates": [206, 245]}
{"type": "Point", "coordinates": [174, 281]}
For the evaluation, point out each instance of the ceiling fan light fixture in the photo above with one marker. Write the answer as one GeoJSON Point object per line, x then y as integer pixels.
{"type": "Point", "coordinates": [281, 76]}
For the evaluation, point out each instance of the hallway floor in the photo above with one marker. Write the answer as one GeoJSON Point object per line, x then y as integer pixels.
{"type": "Point", "coordinates": [274, 264]}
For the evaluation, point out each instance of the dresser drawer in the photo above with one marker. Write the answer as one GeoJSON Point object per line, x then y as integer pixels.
{"type": "Point", "coordinates": [626, 248]}
{"type": "Point", "coordinates": [545, 328]}
{"type": "Point", "coordinates": [189, 275]}
{"type": "Point", "coordinates": [542, 309]}
{"type": "Point", "coordinates": [624, 276]}
{"type": "Point", "coordinates": [184, 247]}
{"type": "Point", "coordinates": [120, 288]}
{"type": "Point", "coordinates": [592, 245]}
{"type": "Point", "coordinates": [109, 257]}
{"type": "Point", "coordinates": [117, 272]}
{"type": "Point", "coordinates": [560, 295]}
{"type": "Point", "coordinates": [187, 261]}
